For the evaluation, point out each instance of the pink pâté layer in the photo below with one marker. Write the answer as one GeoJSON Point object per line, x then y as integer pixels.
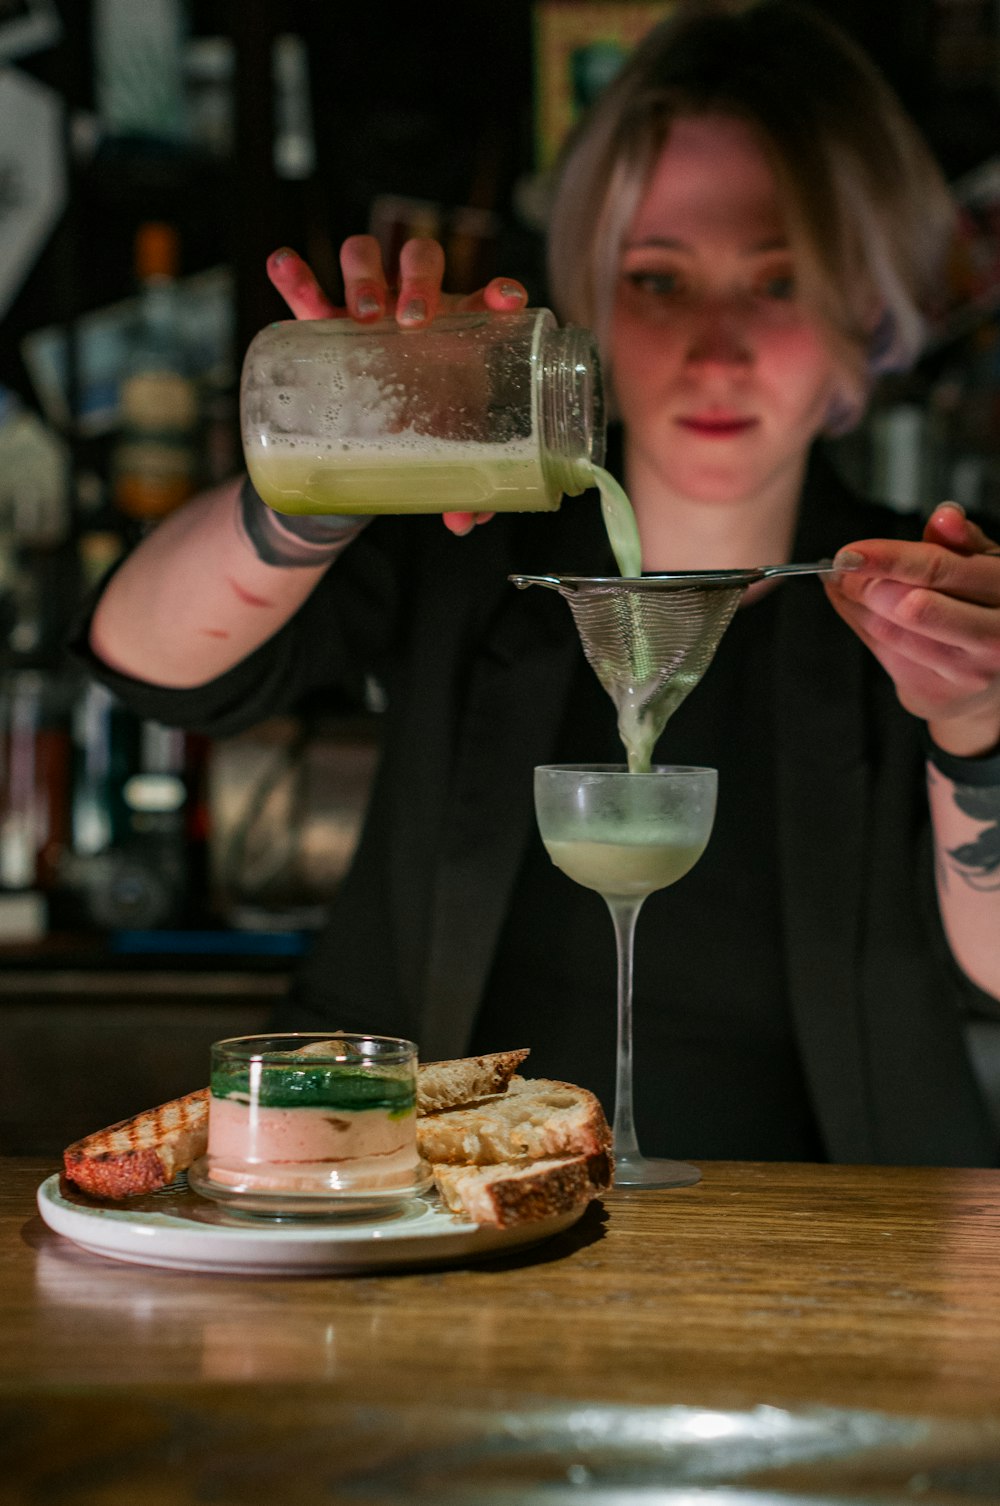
{"type": "Point", "coordinates": [303, 1147]}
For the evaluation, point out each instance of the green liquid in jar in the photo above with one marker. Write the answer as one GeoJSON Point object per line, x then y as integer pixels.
{"type": "Point", "coordinates": [333, 1087]}
{"type": "Point", "coordinates": [296, 477]}
{"type": "Point", "coordinates": [371, 479]}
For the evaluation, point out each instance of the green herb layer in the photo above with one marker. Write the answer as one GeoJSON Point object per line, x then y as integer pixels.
{"type": "Point", "coordinates": [319, 1087]}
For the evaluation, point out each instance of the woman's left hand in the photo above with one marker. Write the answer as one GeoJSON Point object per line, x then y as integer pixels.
{"type": "Point", "coordinates": [930, 613]}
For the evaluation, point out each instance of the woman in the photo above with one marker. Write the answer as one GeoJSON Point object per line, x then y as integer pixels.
{"type": "Point", "coordinates": [750, 223]}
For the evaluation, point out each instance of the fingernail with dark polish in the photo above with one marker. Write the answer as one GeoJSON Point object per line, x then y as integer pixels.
{"type": "Point", "coordinates": [367, 304]}
{"type": "Point", "coordinates": [414, 311]}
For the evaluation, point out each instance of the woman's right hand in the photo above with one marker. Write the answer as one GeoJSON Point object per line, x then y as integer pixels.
{"type": "Point", "coordinates": [368, 297]}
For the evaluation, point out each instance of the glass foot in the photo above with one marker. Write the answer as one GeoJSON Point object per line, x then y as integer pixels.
{"type": "Point", "coordinates": [641, 1171]}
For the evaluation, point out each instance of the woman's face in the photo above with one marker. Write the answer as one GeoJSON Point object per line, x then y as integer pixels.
{"type": "Point", "coordinates": [723, 378]}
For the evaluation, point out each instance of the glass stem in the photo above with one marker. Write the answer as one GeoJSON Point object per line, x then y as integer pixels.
{"type": "Point", "coordinates": [624, 913]}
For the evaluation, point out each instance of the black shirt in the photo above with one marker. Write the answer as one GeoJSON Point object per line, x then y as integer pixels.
{"type": "Point", "coordinates": [717, 1073]}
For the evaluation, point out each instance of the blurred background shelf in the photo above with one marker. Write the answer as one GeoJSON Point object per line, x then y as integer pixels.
{"type": "Point", "coordinates": [87, 1044]}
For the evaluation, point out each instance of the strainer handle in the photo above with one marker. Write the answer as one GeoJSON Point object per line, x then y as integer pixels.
{"type": "Point", "coordinates": [737, 578]}
{"type": "Point", "coordinates": [523, 581]}
{"type": "Point", "coordinates": [819, 567]}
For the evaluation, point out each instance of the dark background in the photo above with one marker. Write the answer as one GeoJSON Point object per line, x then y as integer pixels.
{"type": "Point", "coordinates": [433, 102]}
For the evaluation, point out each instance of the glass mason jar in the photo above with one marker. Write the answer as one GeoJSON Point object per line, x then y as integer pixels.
{"type": "Point", "coordinates": [477, 412]}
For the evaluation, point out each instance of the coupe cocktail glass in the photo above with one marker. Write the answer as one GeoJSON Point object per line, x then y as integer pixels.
{"type": "Point", "coordinates": [626, 835]}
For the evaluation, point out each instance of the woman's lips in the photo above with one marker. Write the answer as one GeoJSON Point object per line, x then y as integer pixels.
{"type": "Point", "coordinates": [716, 425]}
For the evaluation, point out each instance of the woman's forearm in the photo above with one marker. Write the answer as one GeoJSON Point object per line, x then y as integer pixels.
{"type": "Point", "coordinates": [966, 823]}
{"type": "Point", "coordinates": [194, 598]}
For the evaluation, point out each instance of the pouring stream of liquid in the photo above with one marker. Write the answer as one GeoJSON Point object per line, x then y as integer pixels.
{"type": "Point", "coordinates": [619, 520]}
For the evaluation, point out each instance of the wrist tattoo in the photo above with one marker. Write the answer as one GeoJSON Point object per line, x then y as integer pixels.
{"type": "Point", "coordinates": [982, 771]}
{"type": "Point", "coordinates": [293, 542]}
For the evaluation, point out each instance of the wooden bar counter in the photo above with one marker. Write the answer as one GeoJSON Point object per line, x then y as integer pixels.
{"type": "Point", "coordinates": [777, 1333]}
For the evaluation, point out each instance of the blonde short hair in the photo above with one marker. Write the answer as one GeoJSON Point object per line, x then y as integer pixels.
{"type": "Point", "coordinates": [869, 214]}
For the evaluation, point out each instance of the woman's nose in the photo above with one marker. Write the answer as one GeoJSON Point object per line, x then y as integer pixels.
{"type": "Point", "coordinates": [719, 333]}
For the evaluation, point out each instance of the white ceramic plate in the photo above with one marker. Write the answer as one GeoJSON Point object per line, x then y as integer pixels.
{"type": "Point", "coordinates": [175, 1228]}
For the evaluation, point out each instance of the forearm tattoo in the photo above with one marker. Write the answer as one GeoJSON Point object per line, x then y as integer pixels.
{"type": "Point", "coordinates": [977, 862]}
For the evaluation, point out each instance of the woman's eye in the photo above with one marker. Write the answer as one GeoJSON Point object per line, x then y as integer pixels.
{"type": "Point", "coordinates": [661, 284]}
{"type": "Point", "coordinates": [782, 285]}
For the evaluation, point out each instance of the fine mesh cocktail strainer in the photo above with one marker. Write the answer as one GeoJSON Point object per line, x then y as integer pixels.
{"type": "Point", "coordinates": [650, 639]}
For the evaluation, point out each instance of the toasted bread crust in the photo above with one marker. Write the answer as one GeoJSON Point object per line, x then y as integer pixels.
{"type": "Point", "coordinates": [536, 1117]}
{"type": "Point", "coordinates": [506, 1195]}
{"type": "Point", "coordinates": [143, 1153]}
{"type": "Point", "coordinates": [446, 1085]}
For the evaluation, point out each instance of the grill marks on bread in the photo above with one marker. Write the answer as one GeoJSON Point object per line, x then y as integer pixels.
{"type": "Point", "coordinates": [143, 1153]}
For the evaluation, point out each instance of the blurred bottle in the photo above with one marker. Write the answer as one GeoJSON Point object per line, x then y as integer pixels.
{"type": "Point", "coordinates": [156, 459]}
{"type": "Point", "coordinates": [210, 67]}
{"type": "Point", "coordinates": [294, 146]}
{"type": "Point", "coordinates": [35, 520]}
{"type": "Point", "coordinates": [137, 840]}
{"type": "Point", "coordinates": [103, 734]}
{"type": "Point", "coordinates": [139, 71]}
{"type": "Point", "coordinates": [34, 781]}
{"type": "Point", "coordinates": [35, 507]}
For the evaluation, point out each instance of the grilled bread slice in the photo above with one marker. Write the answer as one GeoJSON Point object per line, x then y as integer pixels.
{"type": "Point", "coordinates": [509, 1194]}
{"type": "Point", "coordinates": [535, 1118]}
{"type": "Point", "coordinates": [143, 1153]}
{"type": "Point", "coordinates": [448, 1085]}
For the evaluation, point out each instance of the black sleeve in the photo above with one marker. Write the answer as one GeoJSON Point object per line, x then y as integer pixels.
{"type": "Point", "coordinates": [346, 631]}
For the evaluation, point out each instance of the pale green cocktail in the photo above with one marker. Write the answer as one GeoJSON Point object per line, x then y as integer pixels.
{"type": "Point", "coordinates": [616, 866]}
{"type": "Point", "coordinates": [624, 835]}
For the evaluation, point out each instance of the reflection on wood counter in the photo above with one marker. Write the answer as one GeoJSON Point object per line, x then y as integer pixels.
{"type": "Point", "coordinates": [872, 1291]}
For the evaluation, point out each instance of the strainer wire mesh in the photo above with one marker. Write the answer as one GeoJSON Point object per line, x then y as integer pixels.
{"type": "Point", "coordinates": [649, 639]}
{"type": "Point", "coordinates": [649, 647]}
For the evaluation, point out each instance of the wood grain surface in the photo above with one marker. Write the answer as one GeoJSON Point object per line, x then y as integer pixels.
{"type": "Point", "coordinates": [870, 1291]}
